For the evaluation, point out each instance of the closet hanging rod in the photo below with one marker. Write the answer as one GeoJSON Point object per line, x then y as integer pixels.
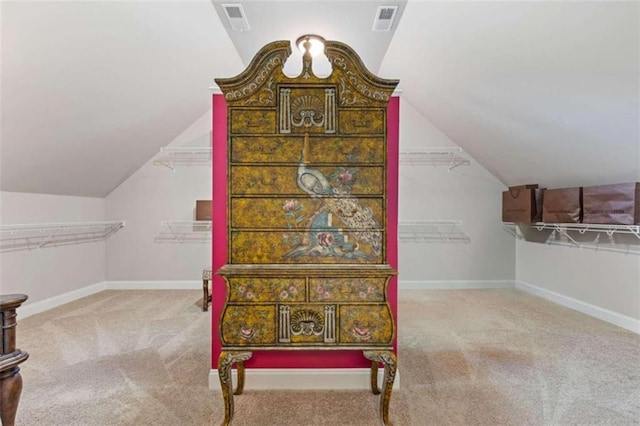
{"type": "Point", "coordinates": [42, 227]}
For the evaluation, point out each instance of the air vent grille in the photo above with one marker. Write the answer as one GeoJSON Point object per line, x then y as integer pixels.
{"type": "Point", "coordinates": [383, 20]}
{"type": "Point", "coordinates": [234, 12]}
{"type": "Point", "coordinates": [235, 15]}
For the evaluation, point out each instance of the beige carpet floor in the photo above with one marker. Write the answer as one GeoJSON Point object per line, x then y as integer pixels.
{"type": "Point", "coordinates": [466, 357]}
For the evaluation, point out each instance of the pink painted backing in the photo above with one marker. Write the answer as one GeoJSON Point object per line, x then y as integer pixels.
{"type": "Point", "coordinates": [298, 359]}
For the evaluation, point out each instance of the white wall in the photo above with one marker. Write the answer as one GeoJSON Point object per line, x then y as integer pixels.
{"type": "Point", "coordinates": [608, 280]}
{"type": "Point", "coordinates": [468, 193]}
{"type": "Point", "coordinates": [51, 271]}
{"type": "Point", "coordinates": [144, 250]}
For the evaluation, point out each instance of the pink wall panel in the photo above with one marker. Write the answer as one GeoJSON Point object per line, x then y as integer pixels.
{"type": "Point", "coordinates": [219, 236]}
{"type": "Point", "coordinates": [289, 359]}
{"type": "Point", "coordinates": [393, 147]}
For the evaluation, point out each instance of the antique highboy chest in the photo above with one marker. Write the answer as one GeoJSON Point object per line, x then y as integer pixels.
{"type": "Point", "coordinates": [306, 214]}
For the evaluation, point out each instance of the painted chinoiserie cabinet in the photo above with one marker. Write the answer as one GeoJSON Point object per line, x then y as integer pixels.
{"type": "Point", "coordinates": [306, 214]}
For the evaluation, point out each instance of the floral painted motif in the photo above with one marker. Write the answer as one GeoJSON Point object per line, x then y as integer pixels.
{"type": "Point", "coordinates": [266, 290]}
{"type": "Point", "coordinates": [325, 239]}
{"type": "Point", "coordinates": [361, 333]}
{"type": "Point", "coordinates": [249, 324]}
{"type": "Point", "coordinates": [291, 206]}
{"type": "Point", "coordinates": [343, 179]}
{"type": "Point", "coordinates": [321, 294]}
{"type": "Point", "coordinates": [246, 333]}
{"type": "Point", "coordinates": [352, 289]}
{"type": "Point", "coordinates": [365, 323]}
{"type": "Point", "coordinates": [292, 211]}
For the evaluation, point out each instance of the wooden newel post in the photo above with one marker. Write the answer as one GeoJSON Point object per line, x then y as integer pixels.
{"type": "Point", "coordinates": [10, 358]}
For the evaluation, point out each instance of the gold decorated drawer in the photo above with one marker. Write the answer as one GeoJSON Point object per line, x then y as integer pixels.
{"type": "Point", "coordinates": [283, 180]}
{"type": "Point", "coordinates": [243, 325]}
{"type": "Point", "coordinates": [347, 289]}
{"type": "Point", "coordinates": [272, 289]}
{"type": "Point", "coordinates": [364, 150]}
{"type": "Point", "coordinates": [366, 324]}
{"type": "Point", "coordinates": [323, 246]}
{"type": "Point", "coordinates": [298, 213]}
{"type": "Point", "coordinates": [263, 180]}
{"type": "Point", "coordinates": [324, 305]}
{"type": "Point", "coordinates": [362, 121]}
{"type": "Point", "coordinates": [288, 149]}
{"type": "Point", "coordinates": [252, 121]}
{"type": "Point", "coordinates": [266, 149]}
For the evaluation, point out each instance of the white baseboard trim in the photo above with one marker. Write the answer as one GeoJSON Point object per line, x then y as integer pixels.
{"type": "Point", "coordinates": [61, 299]}
{"type": "Point", "coordinates": [154, 285]}
{"type": "Point", "coordinates": [305, 378]}
{"type": "Point", "coordinates": [611, 317]}
{"type": "Point", "coordinates": [454, 284]}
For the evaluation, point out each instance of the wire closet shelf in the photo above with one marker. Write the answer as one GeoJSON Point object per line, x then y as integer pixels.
{"type": "Point", "coordinates": [606, 237]}
{"type": "Point", "coordinates": [40, 235]}
{"type": "Point", "coordinates": [432, 231]}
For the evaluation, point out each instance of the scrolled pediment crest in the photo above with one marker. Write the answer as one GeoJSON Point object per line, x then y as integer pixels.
{"type": "Point", "coordinates": [257, 85]}
{"type": "Point", "coordinates": [258, 77]}
{"type": "Point", "coordinates": [358, 85]}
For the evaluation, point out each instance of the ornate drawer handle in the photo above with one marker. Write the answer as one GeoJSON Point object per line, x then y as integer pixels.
{"type": "Point", "coordinates": [307, 323]}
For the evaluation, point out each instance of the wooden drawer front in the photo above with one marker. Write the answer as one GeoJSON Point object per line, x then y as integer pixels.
{"type": "Point", "coordinates": [361, 121]}
{"type": "Point", "coordinates": [288, 149]}
{"type": "Point", "coordinates": [266, 290]}
{"type": "Point", "coordinates": [271, 180]}
{"type": "Point", "coordinates": [282, 180]}
{"type": "Point", "coordinates": [358, 150]}
{"type": "Point", "coordinates": [310, 247]}
{"type": "Point", "coordinates": [366, 324]}
{"type": "Point", "coordinates": [346, 289]}
{"type": "Point", "coordinates": [266, 149]}
{"type": "Point", "coordinates": [253, 121]}
{"type": "Point", "coordinates": [248, 325]}
{"type": "Point", "coordinates": [297, 213]}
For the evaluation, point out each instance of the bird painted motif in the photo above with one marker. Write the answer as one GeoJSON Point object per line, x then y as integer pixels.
{"type": "Point", "coordinates": [311, 180]}
{"type": "Point", "coordinates": [325, 239]}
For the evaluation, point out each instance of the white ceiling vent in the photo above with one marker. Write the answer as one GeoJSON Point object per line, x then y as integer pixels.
{"type": "Point", "coordinates": [384, 18]}
{"type": "Point", "coordinates": [236, 16]}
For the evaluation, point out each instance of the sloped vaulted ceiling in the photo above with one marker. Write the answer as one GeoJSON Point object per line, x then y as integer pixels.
{"type": "Point", "coordinates": [541, 92]}
{"type": "Point", "coordinates": [92, 89]}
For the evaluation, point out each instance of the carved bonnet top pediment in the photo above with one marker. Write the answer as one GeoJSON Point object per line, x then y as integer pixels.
{"type": "Point", "coordinates": [355, 83]}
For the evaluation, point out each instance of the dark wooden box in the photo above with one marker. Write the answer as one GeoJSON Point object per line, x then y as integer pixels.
{"type": "Point", "coordinates": [203, 209]}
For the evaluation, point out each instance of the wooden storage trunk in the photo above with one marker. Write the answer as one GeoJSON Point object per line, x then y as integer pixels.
{"type": "Point", "coordinates": [203, 209]}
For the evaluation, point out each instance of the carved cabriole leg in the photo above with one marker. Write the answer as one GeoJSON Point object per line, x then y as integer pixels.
{"type": "Point", "coordinates": [388, 358]}
{"type": "Point", "coordinates": [225, 361]}
{"type": "Point", "coordinates": [240, 386]}
{"type": "Point", "coordinates": [374, 378]}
